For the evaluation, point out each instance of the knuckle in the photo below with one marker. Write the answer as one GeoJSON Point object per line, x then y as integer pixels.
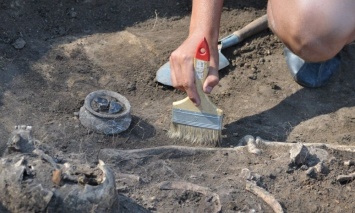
{"type": "Point", "coordinates": [214, 81]}
{"type": "Point", "coordinates": [186, 85]}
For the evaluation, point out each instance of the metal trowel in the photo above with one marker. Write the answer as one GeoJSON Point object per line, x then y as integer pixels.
{"type": "Point", "coordinates": [163, 75]}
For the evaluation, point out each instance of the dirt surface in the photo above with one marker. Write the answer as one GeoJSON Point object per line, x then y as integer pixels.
{"type": "Point", "coordinates": [72, 48]}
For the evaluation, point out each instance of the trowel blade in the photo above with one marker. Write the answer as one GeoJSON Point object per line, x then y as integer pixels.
{"type": "Point", "coordinates": [163, 75]}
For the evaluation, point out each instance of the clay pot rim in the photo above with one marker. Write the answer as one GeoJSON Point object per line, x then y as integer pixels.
{"type": "Point", "coordinates": [90, 97]}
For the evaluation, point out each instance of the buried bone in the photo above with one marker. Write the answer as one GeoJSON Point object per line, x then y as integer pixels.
{"type": "Point", "coordinates": [349, 163]}
{"type": "Point", "coordinates": [18, 182]}
{"type": "Point", "coordinates": [27, 177]}
{"type": "Point", "coordinates": [251, 144]}
{"type": "Point", "coordinates": [264, 195]}
{"type": "Point", "coordinates": [346, 178]}
{"type": "Point", "coordinates": [20, 140]}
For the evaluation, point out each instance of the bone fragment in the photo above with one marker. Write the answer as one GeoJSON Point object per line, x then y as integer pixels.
{"type": "Point", "coordinates": [252, 148]}
{"type": "Point", "coordinates": [46, 157]}
{"type": "Point", "coordinates": [266, 196]}
{"type": "Point", "coordinates": [349, 163]}
{"type": "Point", "coordinates": [346, 178]}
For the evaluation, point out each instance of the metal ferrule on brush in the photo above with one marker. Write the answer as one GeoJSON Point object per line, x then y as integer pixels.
{"type": "Point", "coordinates": [197, 119]}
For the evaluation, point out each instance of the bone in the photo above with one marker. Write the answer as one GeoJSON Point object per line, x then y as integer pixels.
{"type": "Point", "coordinates": [349, 163]}
{"type": "Point", "coordinates": [46, 157]}
{"type": "Point", "coordinates": [244, 141]}
{"type": "Point", "coordinates": [252, 147]}
{"type": "Point", "coordinates": [264, 195]}
{"type": "Point", "coordinates": [346, 178]}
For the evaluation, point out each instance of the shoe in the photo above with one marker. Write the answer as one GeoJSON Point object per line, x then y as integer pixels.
{"type": "Point", "coordinates": [309, 74]}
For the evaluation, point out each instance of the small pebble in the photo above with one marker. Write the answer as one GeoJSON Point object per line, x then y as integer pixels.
{"type": "Point", "coordinates": [304, 167]}
{"type": "Point", "coordinates": [19, 43]}
{"type": "Point", "coordinates": [321, 168]}
{"type": "Point", "coordinates": [252, 77]}
{"type": "Point", "coordinates": [73, 13]}
{"type": "Point", "coordinates": [131, 86]}
{"type": "Point", "coordinates": [246, 174]}
{"type": "Point", "coordinates": [311, 171]}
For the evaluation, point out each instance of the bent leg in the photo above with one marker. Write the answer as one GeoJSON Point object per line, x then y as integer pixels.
{"type": "Point", "coordinates": [314, 30]}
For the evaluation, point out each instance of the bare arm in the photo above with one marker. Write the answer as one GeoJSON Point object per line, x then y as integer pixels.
{"type": "Point", "coordinates": [205, 21]}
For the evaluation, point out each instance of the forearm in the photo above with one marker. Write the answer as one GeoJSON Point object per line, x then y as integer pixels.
{"type": "Point", "coordinates": [205, 19]}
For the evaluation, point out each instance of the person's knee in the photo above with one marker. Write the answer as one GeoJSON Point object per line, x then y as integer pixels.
{"type": "Point", "coordinates": [309, 34]}
{"type": "Point", "coordinates": [307, 44]}
{"type": "Point", "coordinates": [312, 48]}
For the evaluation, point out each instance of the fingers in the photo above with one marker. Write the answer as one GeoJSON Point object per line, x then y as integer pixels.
{"type": "Point", "coordinates": [174, 68]}
{"type": "Point", "coordinates": [182, 69]}
{"type": "Point", "coordinates": [183, 77]}
{"type": "Point", "coordinates": [188, 82]}
{"type": "Point", "coordinates": [211, 80]}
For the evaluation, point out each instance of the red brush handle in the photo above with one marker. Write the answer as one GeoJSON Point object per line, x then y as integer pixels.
{"type": "Point", "coordinates": [203, 51]}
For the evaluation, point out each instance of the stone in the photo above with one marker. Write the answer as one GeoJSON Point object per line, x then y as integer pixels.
{"type": "Point", "coordinates": [321, 168]}
{"type": "Point", "coordinates": [299, 154]}
{"type": "Point", "coordinates": [246, 174]}
{"type": "Point", "coordinates": [311, 172]}
{"type": "Point", "coordinates": [304, 167]}
{"type": "Point", "coordinates": [20, 43]}
{"type": "Point", "coordinates": [20, 140]}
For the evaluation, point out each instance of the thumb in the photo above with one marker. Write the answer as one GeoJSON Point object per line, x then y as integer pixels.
{"type": "Point", "coordinates": [211, 80]}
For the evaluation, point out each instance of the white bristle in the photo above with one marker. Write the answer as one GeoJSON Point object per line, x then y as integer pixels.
{"type": "Point", "coordinates": [195, 135]}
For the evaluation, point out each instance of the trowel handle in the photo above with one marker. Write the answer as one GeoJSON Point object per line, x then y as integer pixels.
{"type": "Point", "coordinates": [252, 28]}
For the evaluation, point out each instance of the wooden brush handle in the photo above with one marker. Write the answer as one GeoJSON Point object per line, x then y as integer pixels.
{"type": "Point", "coordinates": [201, 72]}
{"type": "Point", "coordinates": [201, 67]}
{"type": "Point", "coordinates": [201, 63]}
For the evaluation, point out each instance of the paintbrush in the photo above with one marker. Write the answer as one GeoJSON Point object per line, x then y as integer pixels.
{"type": "Point", "coordinates": [198, 124]}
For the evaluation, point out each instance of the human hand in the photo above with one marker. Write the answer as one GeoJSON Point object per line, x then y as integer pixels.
{"type": "Point", "coordinates": [182, 68]}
